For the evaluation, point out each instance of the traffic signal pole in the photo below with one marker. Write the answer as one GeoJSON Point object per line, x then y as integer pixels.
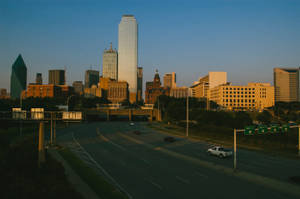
{"type": "Point", "coordinates": [234, 149]}
{"type": "Point", "coordinates": [299, 140]}
{"type": "Point", "coordinates": [41, 155]}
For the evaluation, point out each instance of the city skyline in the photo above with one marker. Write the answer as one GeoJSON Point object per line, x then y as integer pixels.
{"type": "Point", "coordinates": [230, 37]}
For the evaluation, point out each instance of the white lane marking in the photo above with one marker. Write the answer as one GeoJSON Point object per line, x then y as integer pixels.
{"type": "Point", "coordinates": [107, 140]}
{"type": "Point", "coordinates": [183, 180]}
{"type": "Point", "coordinates": [201, 175]}
{"type": "Point", "coordinates": [154, 184]}
{"type": "Point", "coordinates": [102, 169]}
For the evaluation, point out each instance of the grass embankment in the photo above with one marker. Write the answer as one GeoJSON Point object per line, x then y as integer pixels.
{"type": "Point", "coordinates": [96, 182]}
{"type": "Point", "coordinates": [275, 143]}
{"type": "Point", "coordinates": [20, 175]}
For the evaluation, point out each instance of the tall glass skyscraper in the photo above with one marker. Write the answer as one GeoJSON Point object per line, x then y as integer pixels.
{"type": "Point", "coordinates": [18, 79]}
{"type": "Point", "coordinates": [128, 54]}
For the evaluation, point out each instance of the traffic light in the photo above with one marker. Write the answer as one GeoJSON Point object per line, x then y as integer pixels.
{"type": "Point", "coordinates": [249, 130]}
{"type": "Point", "coordinates": [262, 129]}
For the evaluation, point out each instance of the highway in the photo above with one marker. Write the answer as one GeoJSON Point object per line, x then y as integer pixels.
{"type": "Point", "coordinates": [147, 167]}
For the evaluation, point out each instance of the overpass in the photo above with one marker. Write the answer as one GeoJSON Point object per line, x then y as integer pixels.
{"type": "Point", "coordinates": [151, 114]}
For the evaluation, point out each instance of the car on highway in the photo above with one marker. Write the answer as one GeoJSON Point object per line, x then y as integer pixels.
{"type": "Point", "coordinates": [219, 151]}
{"type": "Point", "coordinates": [169, 139]}
{"type": "Point", "coordinates": [131, 124]}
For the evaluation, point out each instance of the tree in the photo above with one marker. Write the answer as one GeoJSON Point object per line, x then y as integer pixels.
{"type": "Point", "coordinates": [265, 117]}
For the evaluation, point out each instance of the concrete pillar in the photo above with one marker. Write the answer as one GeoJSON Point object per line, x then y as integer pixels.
{"type": "Point", "coordinates": [41, 158]}
{"type": "Point", "coordinates": [151, 116]}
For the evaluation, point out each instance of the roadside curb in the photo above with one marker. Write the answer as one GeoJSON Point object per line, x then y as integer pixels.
{"type": "Point", "coordinates": [85, 191]}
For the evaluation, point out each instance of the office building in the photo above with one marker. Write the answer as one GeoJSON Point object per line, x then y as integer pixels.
{"type": "Point", "coordinates": [128, 54]}
{"type": "Point", "coordinates": [110, 64]}
{"type": "Point", "coordinates": [170, 80]}
{"type": "Point", "coordinates": [117, 91]}
{"type": "Point", "coordinates": [57, 77]}
{"type": "Point", "coordinates": [41, 91]}
{"type": "Point", "coordinates": [78, 87]}
{"type": "Point", "coordinates": [39, 78]}
{"type": "Point", "coordinates": [18, 79]}
{"type": "Point", "coordinates": [93, 91]}
{"type": "Point", "coordinates": [286, 83]}
{"type": "Point", "coordinates": [254, 96]}
{"type": "Point", "coordinates": [179, 92]}
{"type": "Point", "coordinates": [91, 78]}
{"type": "Point", "coordinates": [139, 83]}
{"type": "Point", "coordinates": [201, 88]}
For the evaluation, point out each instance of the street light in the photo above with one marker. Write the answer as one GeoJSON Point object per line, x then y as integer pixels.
{"type": "Point", "coordinates": [187, 113]}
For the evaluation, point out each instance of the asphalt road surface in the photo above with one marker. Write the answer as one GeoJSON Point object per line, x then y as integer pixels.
{"type": "Point", "coordinates": [147, 167]}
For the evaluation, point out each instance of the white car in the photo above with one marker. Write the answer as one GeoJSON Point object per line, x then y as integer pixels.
{"type": "Point", "coordinates": [219, 151]}
{"type": "Point", "coordinates": [131, 124]}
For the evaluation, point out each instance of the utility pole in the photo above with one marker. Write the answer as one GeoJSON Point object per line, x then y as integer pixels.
{"type": "Point", "coordinates": [299, 140]}
{"type": "Point", "coordinates": [41, 157]}
{"type": "Point", "coordinates": [51, 129]}
{"type": "Point", "coordinates": [234, 149]}
{"type": "Point", "coordinates": [187, 115]}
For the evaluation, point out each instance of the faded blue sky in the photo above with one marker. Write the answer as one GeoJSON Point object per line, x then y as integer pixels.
{"type": "Point", "coordinates": [245, 38]}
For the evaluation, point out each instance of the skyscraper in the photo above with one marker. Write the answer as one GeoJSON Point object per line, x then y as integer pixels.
{"type": "Point", "coordinates": [286, 83]}
{"type": "Point", "coordinates": [170, 80]}
{"type": "Point", "coordinates": [18, 79]}
{"type": "Point", "coordinates": [91, 78]}
{"type": "Point", "coordinates": [128, 54]}
{"type": "Point", "coordinates": [110, 64]}
{"type": "Point", "coordinates": [139, 83]}
{"type": "Point", "coordinates": [56, 77]}
{"type": "Point", "coordinates": [39, 78]}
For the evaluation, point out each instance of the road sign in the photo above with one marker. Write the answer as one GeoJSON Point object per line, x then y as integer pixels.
{"type": "Point", "coordinates": [262, 129]}
{"type": "Point", "coordinates": [275, 129]}
{"type": "Point", "coordinates": [285, 128]}
{"type": "Point", "coordinates": [249, 130]}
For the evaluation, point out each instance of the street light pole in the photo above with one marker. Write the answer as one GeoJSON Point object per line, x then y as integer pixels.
{"type": "Point", "coordinates": [187, 114]}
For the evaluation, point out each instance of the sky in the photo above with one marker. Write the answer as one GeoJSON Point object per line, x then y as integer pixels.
{"type": "Point", "coordinates": [245, 38]}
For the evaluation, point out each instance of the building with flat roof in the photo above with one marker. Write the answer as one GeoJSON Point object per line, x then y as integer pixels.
{"type": "Point", "coordinates": [179, 92]}
{"type": "Point", "coordinates": [201, 88]}
{"type": "Point", "coordinates": [78, 87]}
{"type": "Point", "coordinates": [254, 96]}
{"type": "Point", "coordinates": [170, 80]}
{"type": "Point", "coordinates": [41, 91]}
{"type": "Point", "coordinates": [286, 83]}
{"type": "Point", "coordinates": [91, 78]}
{"type": "Point", "coordinates": [128, 54]}
{"type": "Point", "coordinates": [39, 78]}
{"type": "Point", "coordinates": [110, 64]}
{"type": "Point", "coordinates": [117, 91]}
{"type": "Point", "coordinates": [139, 84]}
{"type": "Point", "coordinates": [57, 77]}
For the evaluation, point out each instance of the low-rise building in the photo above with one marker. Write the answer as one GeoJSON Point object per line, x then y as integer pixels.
{"type": "Point", "coordinates": [179, 92]}
{"type": "Point", "coordinates": [254, 96]}
{"type": "Point", "coordinates": [117, 91]}
{"type": "Point", "coordinates": [94, 91]}
{"type": "Point", "coordinates": [38, 90]}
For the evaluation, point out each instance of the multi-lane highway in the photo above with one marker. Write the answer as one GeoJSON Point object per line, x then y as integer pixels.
{"type": "Point", "coordinates": [147, 167]}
